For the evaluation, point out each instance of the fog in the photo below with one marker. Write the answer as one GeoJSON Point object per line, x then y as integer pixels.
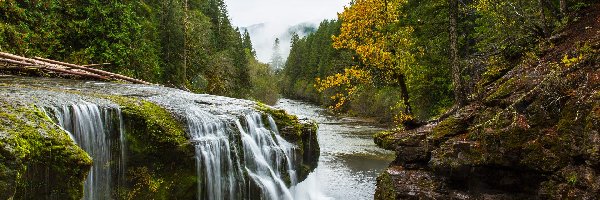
{"type": "Point", "coordinates": [270, 19]}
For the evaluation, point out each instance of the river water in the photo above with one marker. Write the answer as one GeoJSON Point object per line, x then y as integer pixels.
{"type": "Point", "coordinates": [349, 162]}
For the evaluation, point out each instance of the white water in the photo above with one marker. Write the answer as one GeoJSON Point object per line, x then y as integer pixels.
{"type": "Point", "coordinates": [220, 166]}
{"type": "Point", "coordinates": [264, 157]}
{"type": "Point", "coordinates": [224, 170]}
{"type": "Point", "coordinates": [92, 129]}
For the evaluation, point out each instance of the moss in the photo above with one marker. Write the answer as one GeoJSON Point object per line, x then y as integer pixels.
{"type": "Point", "coordinates": [385, 140]}
{"type": "Point", "coordinates": [283, 120]}
{"type": "Point", "coordinates": [39, 160]}
{"type": "Point", "coordinates": [385, 187]}
{"type": "Point", "coordinates": [150, 123]}
{"type": "Point", "coordinates": [161, 155]}
{"type": "Point", "coordinates": [452, 126]}
{"type": "Point", "coordinates": [503, 91]}
{"type": "Point", "coordinates": [494, 72]}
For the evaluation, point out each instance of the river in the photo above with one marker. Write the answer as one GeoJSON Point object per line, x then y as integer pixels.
{"type": "Point", "coordinates": [349, 162]}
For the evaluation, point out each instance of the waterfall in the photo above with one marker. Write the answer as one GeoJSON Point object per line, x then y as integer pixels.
{"type": "Point", "coordinates": [217, 165]}
{"type": "Point", "coordinates": [94, 129]}
{"type": "Point", "coordinates": [264, 152]}
{"type": "Point", "coordinates": [222, 165]}
{"type": "Point", "coordinates": [233, 154]}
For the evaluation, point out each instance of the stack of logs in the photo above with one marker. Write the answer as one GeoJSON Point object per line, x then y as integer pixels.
{"type": "Point", "coordinates": [14, 62]}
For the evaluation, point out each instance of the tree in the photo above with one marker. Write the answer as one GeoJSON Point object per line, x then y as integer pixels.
{"type": "Point", "coordinates": [369, 28]}
{"type": "Point", "coordinates": [276, 59]}
{"type": "Point", "coordinates": [459, 92]}
{"type": "Point", "coordinates": [247, 43]}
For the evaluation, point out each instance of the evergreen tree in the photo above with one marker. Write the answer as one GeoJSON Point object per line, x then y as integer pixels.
{"type": "Point", "coordinates": [276, 59]}
{"type": "Point", "coordinates": [247, 43]}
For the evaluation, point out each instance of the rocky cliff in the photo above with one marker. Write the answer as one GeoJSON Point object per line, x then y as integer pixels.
{"type": "Point", "coordinates": [531, 132]}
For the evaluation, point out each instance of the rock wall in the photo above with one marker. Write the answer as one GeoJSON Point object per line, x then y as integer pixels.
{"type": "Point", "coordinates": [534, 133]}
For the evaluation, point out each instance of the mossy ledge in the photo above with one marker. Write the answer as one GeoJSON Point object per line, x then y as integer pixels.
{"type": "Point", "coordinates": [161, 155]}
{"type": "Point", "coordinates": [303, 133]}
{"type": "Point", "coordinates": [37, 158]}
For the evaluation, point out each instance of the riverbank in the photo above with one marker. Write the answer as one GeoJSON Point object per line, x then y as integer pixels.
{"type": "Point", "coordinates": [531, 133]}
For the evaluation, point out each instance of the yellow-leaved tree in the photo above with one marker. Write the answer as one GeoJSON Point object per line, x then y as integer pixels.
{"type": "Point", "coordinates": [370, 29]}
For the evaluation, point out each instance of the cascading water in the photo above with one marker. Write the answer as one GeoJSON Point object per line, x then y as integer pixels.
{"type": "Point", "coordinates": [264, 156]}
{"type": "Point", "coordinates": [238, 151]}
{"type": "Point", "coordinates": [217, 166]}
{"type": "Point", "coordinates": [93, 129]}
{"type": "Point", "coordinates": [221, 164]}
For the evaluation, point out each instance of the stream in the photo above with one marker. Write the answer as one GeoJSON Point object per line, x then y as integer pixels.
{"type": "Point", "coordinates": [349, 162]}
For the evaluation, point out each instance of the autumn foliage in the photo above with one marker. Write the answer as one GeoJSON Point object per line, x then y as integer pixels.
{"type": "Point", "coordinates": [369, 29]}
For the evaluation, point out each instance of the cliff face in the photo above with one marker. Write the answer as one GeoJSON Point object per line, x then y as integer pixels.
{"type": "Point", "coordinates": [140, 141]}
{"type": "Point", "coordinates": [532, 133]}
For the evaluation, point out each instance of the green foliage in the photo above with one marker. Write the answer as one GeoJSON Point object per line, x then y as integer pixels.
{"type": "Point", "coordinates": [174, 42]}
{"type": "Point", "coordinates": [493, 35]}
{"type": "Point", "coordinates": [311, 57]}
{"type": "Point", "coordinates": [264, 88]}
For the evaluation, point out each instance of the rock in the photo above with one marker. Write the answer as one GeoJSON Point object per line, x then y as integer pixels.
{"type": "Point", "coordinates": [531, 134]}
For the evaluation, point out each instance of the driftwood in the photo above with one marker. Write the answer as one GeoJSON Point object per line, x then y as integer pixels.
{"type": "Point", "coordinates": [64, 68]}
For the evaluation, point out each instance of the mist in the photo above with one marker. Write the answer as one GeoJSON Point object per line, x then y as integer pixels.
{"type": "Point", "coordinates": [266, 20]}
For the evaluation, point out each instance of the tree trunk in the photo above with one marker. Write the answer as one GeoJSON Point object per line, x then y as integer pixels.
{"type": "Point", "coordinates": [563, 8]}
{"type": "Point", "coordinates": [185, 46]}
{"type": "Point", "coordinates": [459, 96]}
{"type": "Point", "coordinates": [405, 96]}
{"type": "Point", "coordinates": [543, 17]}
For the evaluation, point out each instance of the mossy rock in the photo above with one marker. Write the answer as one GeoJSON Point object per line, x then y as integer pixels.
{"type": "Point", "coordinates": [38, 159]}
{"type": "Point", "coordinates": [385, 140]}
{"type": "Point", "coordinates": [504, 90]}
{"type": "Point", "coordinates": [386, 189]}
{"type": "Point", "coordinates": [451, 126]}
{"type": "Point", "coordinates": [154, 125]}
{"type": "Point", "coordinates": [161, 155]}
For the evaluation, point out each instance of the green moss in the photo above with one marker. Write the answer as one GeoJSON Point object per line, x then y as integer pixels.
{"type": "Point", "coordinates": [152, 124]}
{"type": "Point", "coordinates": [386, 140]}
{"type": "Point", "coordinates": [385, 187]}
{"type": "Point", "coordinates": [303, 135]}
{"type": "Point", "coordinates": [161, 157]}
{"type": "Point", "coordinates": [451, 126]}
{"type": "Point", "coordinates": [284, 120]}
{"type": "Point", "coordinates": [504, 90]}
{"type": "Point", "coordinates": [572, 179]}
{"type": "Point", "coordinates": [494, 72]}
{"type": "Point", "coordinates": [39, 160]}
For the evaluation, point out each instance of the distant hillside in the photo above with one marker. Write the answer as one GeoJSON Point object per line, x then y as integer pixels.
{"type": "Point", "coordinates": [263, 36]}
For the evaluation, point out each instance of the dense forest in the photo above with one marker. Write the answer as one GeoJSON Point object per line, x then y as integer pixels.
{"type": "Point", "coordinates": [416, 59]}
{"type": "Point", "coordinates": [397, 60]}
{"type": "Point", "coordinates": [188, 44]}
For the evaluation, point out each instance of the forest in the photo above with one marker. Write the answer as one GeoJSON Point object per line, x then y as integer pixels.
{"type": "Point", "coordinates": [401, 60]}
{"type": "Point", "coordinates": [410, 60]}
{"type": "Point", "coordinates": [189, 44]}
{"type": "Point", "coordinates": [392, 99]}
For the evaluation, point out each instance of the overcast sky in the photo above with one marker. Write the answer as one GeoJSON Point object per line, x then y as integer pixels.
{"type": "Point", "coordinates": [278, 15]}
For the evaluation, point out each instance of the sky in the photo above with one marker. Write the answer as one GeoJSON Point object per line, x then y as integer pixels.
{"type": "Point", "coordinates": [277, 16]}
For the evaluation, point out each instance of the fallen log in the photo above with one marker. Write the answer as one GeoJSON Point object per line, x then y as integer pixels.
{"type": "Point", "coordinates": [66, 68]}
{"type": "Point", "coordinates": [97, 71]}
{"type": "Point", "coordinates": [14, 62]}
